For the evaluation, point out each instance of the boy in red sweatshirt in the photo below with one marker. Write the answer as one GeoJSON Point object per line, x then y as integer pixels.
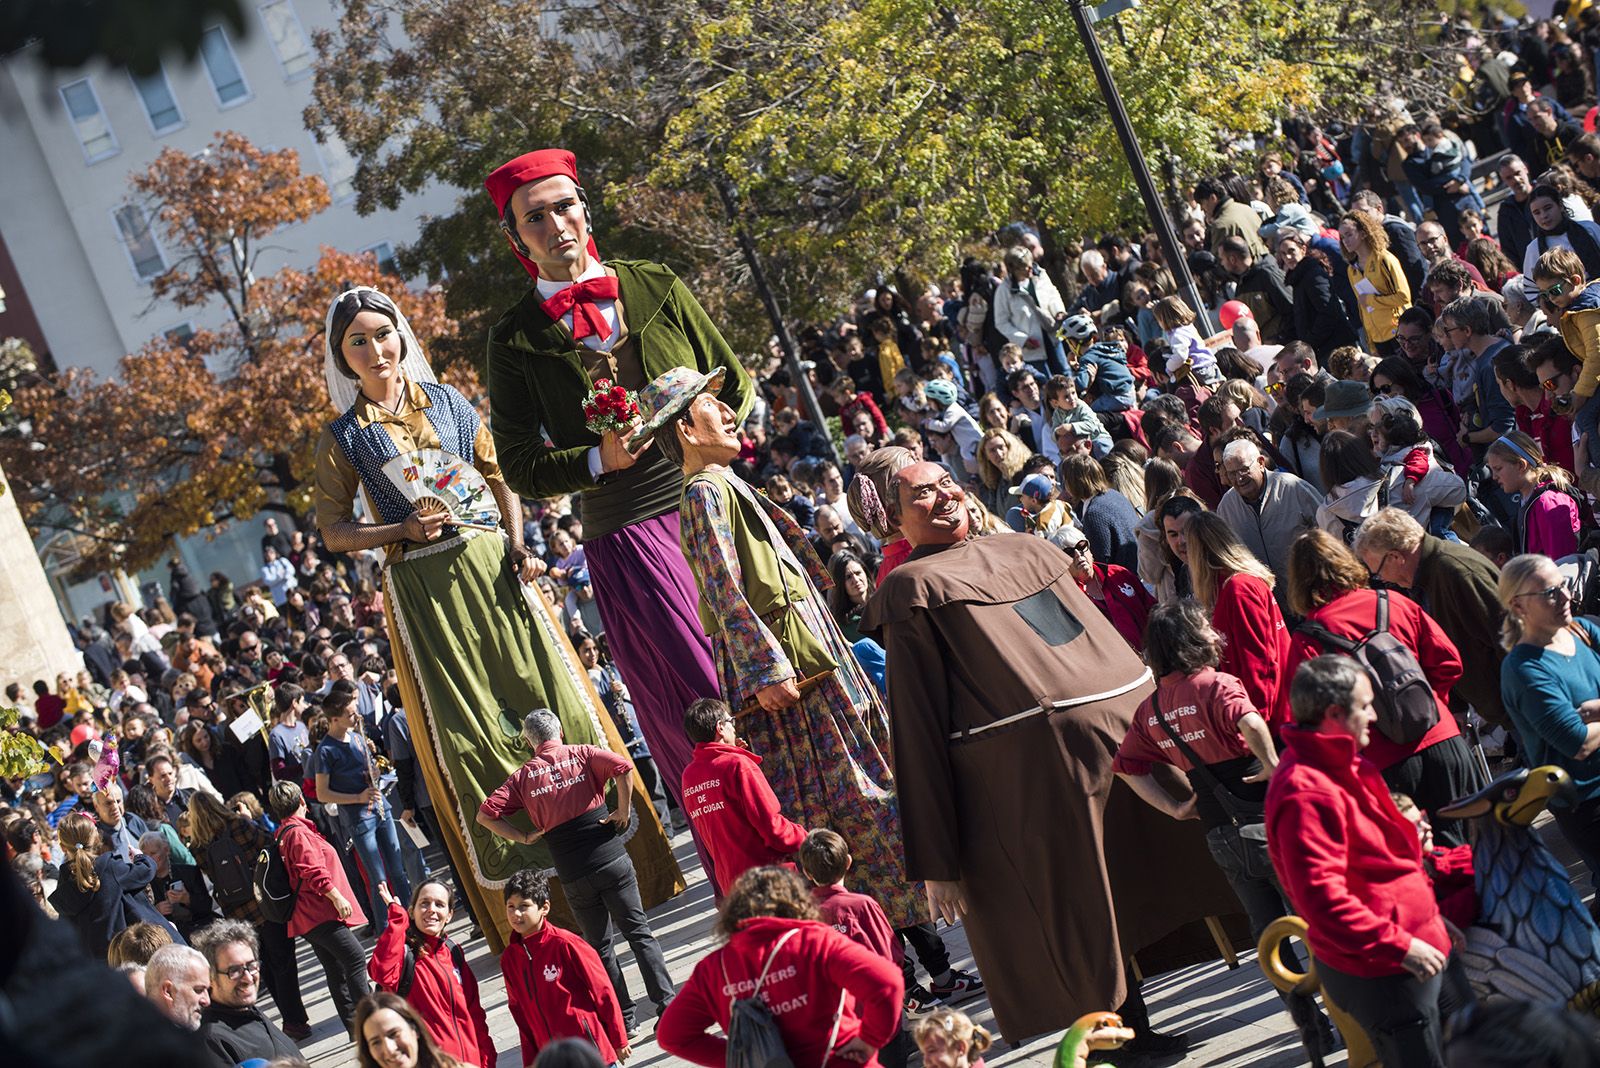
{"type": "Point", "coordinates": [825, 857]}
{"type": "Point", "coordinates": [729, 801]}
{"type": "Point", "coordinates": [555, 984]}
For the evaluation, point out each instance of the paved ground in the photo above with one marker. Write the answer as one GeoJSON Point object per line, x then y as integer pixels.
{"type": "Point", "coordinates": [1232, 1015]}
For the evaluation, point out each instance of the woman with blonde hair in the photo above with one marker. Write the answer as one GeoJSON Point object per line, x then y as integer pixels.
{"type": "Point", "coordinates": [1550, 517]}
{"type": "Point", "coordinates": [1382, 291]}
{"type": "Point", "coordinates": [1550, 678]}
{"type": "Point", "coordinates": [1330, 587]}
{"type": "Point", "coordinates": [101, 893]}
{"type": "Point", "coordinates": [1236, 589]}
{"type": "Point", "coordinates": [1001, 455]}
{"type": "Point", "coordinates": [1126, 474]}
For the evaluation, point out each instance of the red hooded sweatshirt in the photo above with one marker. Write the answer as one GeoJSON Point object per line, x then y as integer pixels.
{"type": "Point", "coordinates": [1350, 616]}
{"type": "Point", "coordinates": [735, 813]}
{"type": "Point", "coordinates": [1349, 861]}
{"type": "Point", "coordinates": [314, 869]}
{"type": "Point", "coordinates": [446, 999]}
{"type": "Point", "coordinates": [556, 988]}
{"type": "Point", "coordinates": [1247, 615]}
{"type": "Point", "coordinates": [802, 990]}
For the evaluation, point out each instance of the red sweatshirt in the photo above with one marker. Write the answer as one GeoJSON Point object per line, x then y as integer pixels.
{"type": "Point", "coordinates": [735, 813]}
{"type": "Point", "coordinates": [859, 918]}
{"type": "Point", "coordinates": [556, 988]}
{"type": "Point", "coordinates": [1349, 862]}
{"type": "Point", "coordinates": [1350, 616]}
{"type": "Point", "coordinates": [1454, 884]}
{"type": "Point", "coordinates": [314, 869]}
{"type": "Point", "coordinates": [1127, 603]}
{"type": "Point", "coordinates": [802, 990]}
{"type": "Point", "coordinates": [446, 999]}
{"type": "Point", "coordinates": [864, 403]}
{"type": "Point", "coordinates": [1256, 641]}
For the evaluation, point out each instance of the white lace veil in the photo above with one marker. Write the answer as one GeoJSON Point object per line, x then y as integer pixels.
{"type": "Point", "coordinates": [342, 391]}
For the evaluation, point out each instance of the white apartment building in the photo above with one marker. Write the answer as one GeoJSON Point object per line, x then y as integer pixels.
{"type": "Point", "coordinates": [77, 254]}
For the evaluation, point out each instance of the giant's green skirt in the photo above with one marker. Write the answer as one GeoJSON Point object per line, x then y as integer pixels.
{"type": "Point", "coordinates": [475, 651]}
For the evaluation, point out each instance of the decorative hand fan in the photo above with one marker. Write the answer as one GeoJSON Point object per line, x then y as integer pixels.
{"type": "Point", "coordinates": [439, 481]}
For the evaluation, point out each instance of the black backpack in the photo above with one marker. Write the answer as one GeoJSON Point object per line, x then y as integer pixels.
{"type": "Point", "coordinates": [233, 876]}
{"type": "Point", "coordinates": [754, 1040]}
{"type": "Point", "coordinates": [1401, 694]}
{"type": "Point", "coordinates": [408, 966]}
{"type": "Point", "coordinates": [274, 892]}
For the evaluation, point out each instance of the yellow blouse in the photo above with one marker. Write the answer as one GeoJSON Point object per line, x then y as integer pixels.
{"type": "Point", "coordinates": [337, 482]}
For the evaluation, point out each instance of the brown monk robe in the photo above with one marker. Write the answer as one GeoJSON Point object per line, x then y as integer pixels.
{"type": "Point", "coordinates": [1063, 871]}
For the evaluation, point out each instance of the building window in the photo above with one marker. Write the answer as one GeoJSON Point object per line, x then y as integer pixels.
{"type": "Point", "coordinates": [288, 37]}
{"type": "Point", "coordinates": [134, 226]}
{"type": "Point", "coordinates": [159, 104]}
{"type": "Point", "coordinates": [94, 130]}
{"type": "Point", "coordinates": [386, 261]}
{"type": "Point", "coordinates": [223, 67]}
{"type": "Point", "coordinates": [340, 166]}
{"type": "Point", "coordinates": [180, 335]}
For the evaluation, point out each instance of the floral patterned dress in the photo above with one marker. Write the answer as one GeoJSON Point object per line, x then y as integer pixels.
{"type": "Point", "coordinates": [828, 757]}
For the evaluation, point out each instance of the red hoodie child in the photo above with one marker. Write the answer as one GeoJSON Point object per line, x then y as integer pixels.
{"type": "Point", "coordinates": [445, 996]}
{"type": "Point", "coordinates": [555, 984]}
{"type": "Point", "coordinates": [734, 811]}
{"type": "Point", "coordinates": [803, 991]}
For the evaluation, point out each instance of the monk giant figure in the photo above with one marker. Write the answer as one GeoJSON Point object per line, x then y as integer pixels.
{"type": "Point", "coordinates": [1009, 693]}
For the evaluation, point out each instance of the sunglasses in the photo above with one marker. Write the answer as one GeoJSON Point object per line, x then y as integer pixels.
{"type": "Point", "coordinates": [1388, 389]}
{"type": "Point", "coordinates": [1275, 388]}
{"type": "Point", "coordinates": [1550, 594]}
{"type": "Point", "coordinates": [1553, 291]}
{"type": "Point", "coordinates": [1551, 385]}
{"type": "Point", "coordinates": [1081, 547]}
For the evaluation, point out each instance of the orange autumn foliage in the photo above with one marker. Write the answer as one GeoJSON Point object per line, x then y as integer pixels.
{"type": "Point", "coordinates": [191, 435]}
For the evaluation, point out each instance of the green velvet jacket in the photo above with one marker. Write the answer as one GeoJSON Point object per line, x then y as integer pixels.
{"type": "Point", "coordinates": [538, 383]}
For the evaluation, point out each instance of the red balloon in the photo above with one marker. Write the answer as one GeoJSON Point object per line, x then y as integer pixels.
{"type": "Point", "coordinates": [1232, 312]}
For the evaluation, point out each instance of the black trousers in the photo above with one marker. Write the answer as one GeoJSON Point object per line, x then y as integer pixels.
{"type": "Point", "coordinates": [1580, 825]}
{"type": "Point", "coordinates": [923, 938]}
{"type": "Point", "coordinates": [1401, 1013]}
{"type": "Point", "coordinates": [280, 971]}
{"type": "Point", "coordinates": [1434, 777]}
{"type": "Point", "coordinates": [606, 899]}
{"type": "Point", "coordinates": [345, 964]}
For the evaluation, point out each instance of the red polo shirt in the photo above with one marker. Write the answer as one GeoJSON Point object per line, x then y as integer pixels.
{"type": "Point", "coordinates": [560, 783]}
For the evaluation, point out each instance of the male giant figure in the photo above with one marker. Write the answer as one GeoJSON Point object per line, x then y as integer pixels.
{"type": "Point", "coordinates": [627, 321]}
{"type": "Point", "coordinates": [1009, 693]}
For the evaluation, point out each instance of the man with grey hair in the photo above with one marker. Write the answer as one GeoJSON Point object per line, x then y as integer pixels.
{"type": "Point", "coordinates": [561, 793]}
{"type": "Point", "coordinates": [233, 1028]}
{"type": "Point", "coordinates": [1266, 509]}
{"type": "Point", "coordinates": [178, 890]}
{"type": "Point", "coordinates": [177, 980]}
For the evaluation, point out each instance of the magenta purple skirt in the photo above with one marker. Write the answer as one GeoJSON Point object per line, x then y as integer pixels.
{"type": "Point", "coordinates": [647, 597]}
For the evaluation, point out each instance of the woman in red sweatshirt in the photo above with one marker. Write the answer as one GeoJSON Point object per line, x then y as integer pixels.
{"type": "Point", "coordinates": [325, 908]}
{"type": "Point", "coordinates": [835, 1003]}
{"type": "Point", "coordinates": [442, 988]}
{"type": "Point", "coordinates": [1328, 586]}
{"type": "Point", "coordinates": [1236, 589]}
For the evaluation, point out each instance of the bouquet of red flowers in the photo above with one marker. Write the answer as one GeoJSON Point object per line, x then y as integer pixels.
{"type": "Point", "coordinates": [610, 407]}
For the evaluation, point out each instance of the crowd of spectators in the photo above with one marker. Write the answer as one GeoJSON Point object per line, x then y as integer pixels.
{"type": "Point", "coordinates": [1384, 416]}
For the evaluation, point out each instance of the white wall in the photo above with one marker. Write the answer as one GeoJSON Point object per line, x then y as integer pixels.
{"type": "Point", "coordinates": [56, 208]}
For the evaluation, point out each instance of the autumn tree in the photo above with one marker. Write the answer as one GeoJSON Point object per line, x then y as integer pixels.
{"type": "Point", "coordinates": [191, 434]}
{"type": "Point", "coordinates": [856, 138]}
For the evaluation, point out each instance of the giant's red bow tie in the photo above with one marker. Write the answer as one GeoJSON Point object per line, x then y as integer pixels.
{"type": "Point", "coordinates": [580, 299]}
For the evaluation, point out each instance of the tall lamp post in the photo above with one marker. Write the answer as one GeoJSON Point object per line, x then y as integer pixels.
{"type": "Point", "coordinates": [1085, 16]}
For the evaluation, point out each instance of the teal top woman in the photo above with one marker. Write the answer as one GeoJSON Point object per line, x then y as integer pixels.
{"type": "Point", "coordinates": [475, 649]}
